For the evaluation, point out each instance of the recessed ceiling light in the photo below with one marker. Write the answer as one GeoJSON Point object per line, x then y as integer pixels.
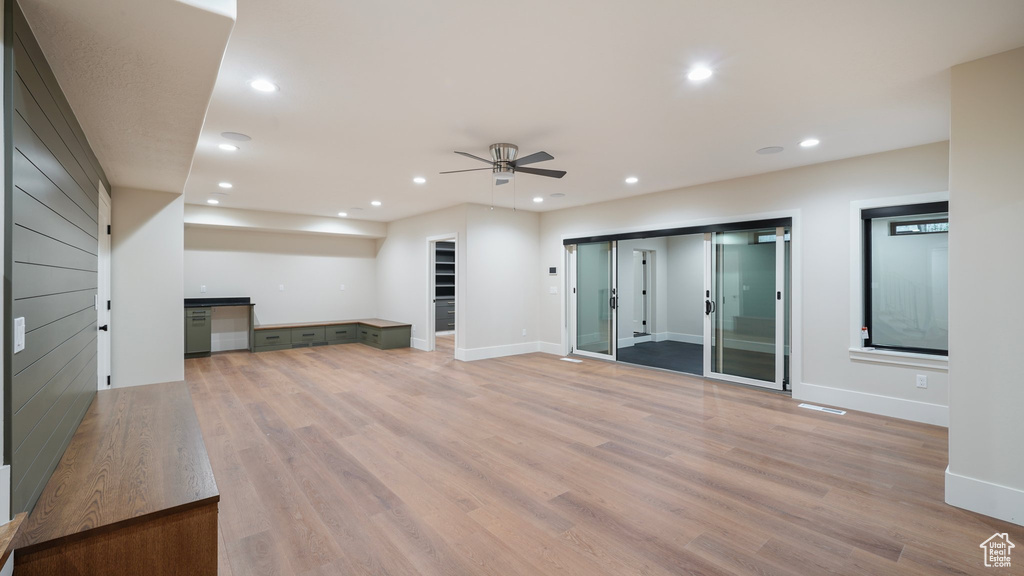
{"type": "Point", "coordinates": [342, 214]}
{"type": "Point", "coordinates": [632, 180]}
{"type": "Point", "coordinates": [227, 147]}
{"type": "Point", "coordinates": [538, 199]}
{"type": "Point", "coordinates": [375, 203]}
{"type": "Point", "coordinates": [419, 180]}
{"type": "Point", "coordinates": [213, 201]}
{"type": "Point", "coordinates": [770, 150]}
{"type": "Point", "coordinates": [264, 85]}
{"type": "Point", "coordinates": [810, 143]}
{"type": "Point", "coordinates": [225, 185]}
{"type": "Point", "coordinates": [558, 195]}
{"type": "Point", "coordinates": [236, 136]}
{"type": "Point", "coordinates": [698, 73]}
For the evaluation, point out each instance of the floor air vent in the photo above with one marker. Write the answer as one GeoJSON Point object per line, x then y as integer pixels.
{"type": "Point", "coordinates": [823, 409]}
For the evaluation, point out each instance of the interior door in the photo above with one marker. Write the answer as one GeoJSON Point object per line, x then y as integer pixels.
{"type": "Point", "coordinates": [103, 295]}
{"type": "Point", "coordinates": [745, 307]}
{"type": "Point", "coordinates": [595, 300]}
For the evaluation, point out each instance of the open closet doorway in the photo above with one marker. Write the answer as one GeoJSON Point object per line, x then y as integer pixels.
{"type": "Point", "coordinates": [643, 290]}
{"type": "Point", "coordinates": [442, 303]}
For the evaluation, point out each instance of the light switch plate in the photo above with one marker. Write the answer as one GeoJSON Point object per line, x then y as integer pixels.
{"type": "Point", "coordinates": [19, 334]}
{"type": "Point", "coordinates": [553, 290]}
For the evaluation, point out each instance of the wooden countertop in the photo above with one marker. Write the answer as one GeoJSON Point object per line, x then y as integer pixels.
{"type": "Point", "coordinates": [375, 322]}
{"type": "Point", "coordinates": [138, 453]}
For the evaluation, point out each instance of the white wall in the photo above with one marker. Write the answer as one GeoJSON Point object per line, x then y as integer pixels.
{"type": "Point", "coordinates": [312, 269]}
{"type": "Point", "coordinates": [686, 282]}
{"type": "Point", "coordinates": [501, 269]}
{"type": "Point", "coordinates": [819, 197]}
{"type": "Point", "coordinates": [147, 324]}
{"type": "Point", "coordinates": [986, 470]}
{"type": "Point", "coordinates": [403, 270]}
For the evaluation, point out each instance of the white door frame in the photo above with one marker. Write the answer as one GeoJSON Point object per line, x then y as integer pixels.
{"type": "Point", "coordinates": [103, 292]}
{"type": "Point", "coordinates": [574, 305]}
{"type": "Point", "coordinates": [431, 340]}
{"type": "Point", "coordinates": [780, 314]}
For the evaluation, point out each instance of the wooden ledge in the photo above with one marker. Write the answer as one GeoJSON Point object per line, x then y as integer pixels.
{"type": "Point", "coordinates": [375, 322]}
{"type": "Point", "coordinates": [137, 455]}
{"type": "Point", "coordinates": [7, 533]}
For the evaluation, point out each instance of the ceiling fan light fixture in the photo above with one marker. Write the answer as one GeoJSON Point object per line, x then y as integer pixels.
{"type": "Point", "coordinates": [503, 174]}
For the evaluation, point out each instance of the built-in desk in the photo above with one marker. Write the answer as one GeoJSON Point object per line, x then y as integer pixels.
{"type": "Point", "coordinates": [133, 494]}
{"type": "Point", "coordinates": [383, 334]}
{"type": "Point", "coordinates": [199, 323]}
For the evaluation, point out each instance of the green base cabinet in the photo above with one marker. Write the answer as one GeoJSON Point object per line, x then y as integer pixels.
{"type": "Point", "coordinates": [386, 338]}
{"type": "Point", "coordinates": [198, 332]}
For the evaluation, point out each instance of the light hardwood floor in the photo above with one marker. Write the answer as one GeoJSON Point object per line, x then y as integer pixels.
{"type": "Point", "coordinates": [350, 460]}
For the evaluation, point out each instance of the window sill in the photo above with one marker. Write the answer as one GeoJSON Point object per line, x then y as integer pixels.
{"type": "Point", "coordinates": [904, 359]}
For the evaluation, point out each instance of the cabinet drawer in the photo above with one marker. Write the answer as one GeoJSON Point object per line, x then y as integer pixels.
{"type": "Point", "coordinates": [197, 312]}
{"type": "Point", "coordinates": [444, 304]}
{"type": "Point", "coordinates": [308, 335]}
{"type": "Point", "coordinates": [341, 332]}
{"type": "Point", "coordinates": [444, 325]}
{"type": "Point", "coordinates": [273, 337]}
{"type": "Point", "coordinates": [369, 334]}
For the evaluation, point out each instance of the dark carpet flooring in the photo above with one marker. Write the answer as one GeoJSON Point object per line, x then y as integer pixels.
{"type": "Point", "coordinates": [677, 356]}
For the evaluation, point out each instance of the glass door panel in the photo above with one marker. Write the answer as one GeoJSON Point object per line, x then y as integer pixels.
{"type": "Point", "coordinates": [742, 308]}
{"type": "Point", "coordinates": [595, 299]}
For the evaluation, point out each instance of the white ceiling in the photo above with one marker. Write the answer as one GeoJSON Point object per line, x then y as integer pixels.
{"type": "Point", "coordinates": [138, 74]}
{"type": "Point", "coordinates": [375, 93]}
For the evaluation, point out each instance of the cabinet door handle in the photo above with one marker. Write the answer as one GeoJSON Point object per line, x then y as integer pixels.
{"type": "Point", "coordinates": [272, 337]}
{"type": "Point", "coordinates": [341, 331]}
{"type": "Point", "coordinates": [310, 334]}
{"type": "Point", "coordinates": [451, 311]}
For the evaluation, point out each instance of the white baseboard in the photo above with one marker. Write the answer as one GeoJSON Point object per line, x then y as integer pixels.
{"type": "Point", "coordinates": [660, 336]}
{"type": "Point", "coordinates": [689, 338]}
{"type": "Point", "coordinates": [551, 348]}
{"type": "Point", "coordinates": [471, 354]}
{"type": "Point", "coordinates": [986, 498]}
{"type": "Point", "coordinates": [419, 344]}
{"type": "Point", "coordinates": [936, 414]}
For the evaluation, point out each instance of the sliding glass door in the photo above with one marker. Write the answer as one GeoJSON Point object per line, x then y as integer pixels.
{"type": "Point", "coordinates": [595, 299]}
{"type": "Point", "coordinates": [745, 288]}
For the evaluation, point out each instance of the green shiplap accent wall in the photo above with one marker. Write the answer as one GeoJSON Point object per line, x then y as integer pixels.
{"type": "Point", "coordinates": [50, 267]}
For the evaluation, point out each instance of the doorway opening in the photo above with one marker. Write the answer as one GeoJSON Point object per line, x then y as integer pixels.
{"type": "Point", "coordinates": [442, 333]}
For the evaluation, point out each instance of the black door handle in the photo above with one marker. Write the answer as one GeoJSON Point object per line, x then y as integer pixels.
{"type": "Point", "coordinates": [707, 307]}
{"type": "Point", "coordinates": [104, 327]}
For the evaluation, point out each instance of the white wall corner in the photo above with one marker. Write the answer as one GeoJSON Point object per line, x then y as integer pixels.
{"type": "Point", "coordinates": [555, 348]}
{"type": "Point", "coordinates": [471, 354]}
{"type": "Point", "coordinates": [5, 494]}
{"type": "Point", "coordinates": [935, 414]}
{"type": "Point", "coordinates": [986, 498]}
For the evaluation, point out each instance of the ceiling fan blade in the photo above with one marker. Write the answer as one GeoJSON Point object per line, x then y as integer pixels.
{"type": "Point", "coordinates": [533, 158]}
{"type": "Point", "coordinates": [542, 172]}
{"type": "Point", "coordinates": [500, 182]}
{"type": "Point", "coordinates": [468, 155]}
{"type": "Point", "coordinates": [470, 170]}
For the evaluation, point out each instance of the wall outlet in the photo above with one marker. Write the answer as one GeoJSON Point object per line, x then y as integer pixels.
{"type": "Point", "coordinates": [202, 288]}
{"type": "Point", "coordinates": [553, 290]}
{"type": "Point", "coordinates": [524, 331]}
{"type": "Point", "coordinates": [922, 381]}
{"type": "Point", "coordinates": [280, 287]}
{"type": "Point", "coordinates": [342, 287]}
